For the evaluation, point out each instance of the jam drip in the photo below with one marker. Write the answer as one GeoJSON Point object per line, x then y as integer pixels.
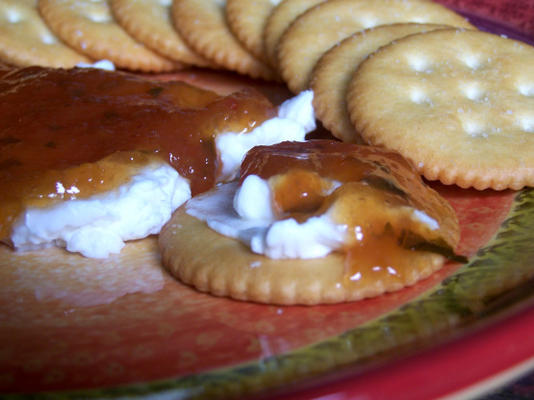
{"type": "Point", "coordinates": [60, 130]}
{"type": "Point", "coordinates": [373, 192]}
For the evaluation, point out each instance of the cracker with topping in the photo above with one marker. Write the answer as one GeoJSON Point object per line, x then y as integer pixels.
{"type": "Point", "coordinates": [459, 104]}
{"type": "Point", "coordinates": [312, 223]}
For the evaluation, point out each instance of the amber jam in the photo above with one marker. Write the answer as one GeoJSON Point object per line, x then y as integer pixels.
{"type": "Point", "coordinates": [69, 134]}
{"type": "Point", "coordinates": [373, 192]}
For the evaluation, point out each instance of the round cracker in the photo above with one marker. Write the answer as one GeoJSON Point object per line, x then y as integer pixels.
{"type": "Point", "coordinates": [89, 27]}
{"type": "Point", "coordinates": [149, 22]}
{"type": "Point", "coordinates": [26, 40]}
{"type": "Point", "coordinates": [203, 26]}
{"type": "Point", "coordinates": [335, 68]}
{"type": "Point", "coordinates": [459, 104]}
{"type": "Point", "coordinates": [281, 17]}
{"type": "Point", "coordinates": [246, 19]}
{"type": "Point", "coordinates": [222, 266]}
{"type": "Point", "coordinates": [306, 39]}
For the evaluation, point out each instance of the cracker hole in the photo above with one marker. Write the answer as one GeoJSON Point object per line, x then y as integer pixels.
{"type": "Point", "coordinates": [99, 17]}
{"type": "Point", "coordinates": [418, 63]}
{"type": "Point", "coordinates": [13, 16]}
{"type": "Point", "coordinates": [527, 123]}
{"type": "Point", "coordinates": [526, 89]}
{"type": "Point", "coordinates": [419, 20]}
{"type": "Point", "coordinates": [419, 96]}
{"type": "Point", "coordinates": [471, 61]}
{"type": "Point", "coordinates": [47, 38]}
{"type": "Point", "coordinates": [474, 129]}
{"type": "Point", "coordinates": [473, 91]}
{"type": "Point", "coordinates": [368, 21]}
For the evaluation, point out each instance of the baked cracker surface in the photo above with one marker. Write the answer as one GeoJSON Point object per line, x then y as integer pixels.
{"type": "Point", "coordinates": [306, 39]}
{"type": "Point", "coordinates": [89, 27]}
{"type": "Point", "coordinates": [222, 266]}
{"type": "Point", "coordinates": [246, 19]}
{"type": "Point", "coordinates": [26, 40]}
{"type": "Point", "coordinates": [149, 22]}
{"type": "Point", "coordinates": [203, 26]}
{"type": "Point", "coordinates": [333, 72]}
{"type": "Point", "coordinates": [458, 103]}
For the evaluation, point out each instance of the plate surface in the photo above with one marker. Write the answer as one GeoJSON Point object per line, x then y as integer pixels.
{"type": "Point", "coordinates": [72, 327]}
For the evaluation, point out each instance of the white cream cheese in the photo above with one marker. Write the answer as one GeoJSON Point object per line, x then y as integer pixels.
{"type": "Point", "coordinates": [245, 213]}
{"type": "Point", "coordinates": [295, 119]}
{"type": "Point", "coordinates": [99, 225]}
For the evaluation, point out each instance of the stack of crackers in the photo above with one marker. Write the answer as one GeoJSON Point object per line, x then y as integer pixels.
{"type": "Point", "coordinates": [410, 75]}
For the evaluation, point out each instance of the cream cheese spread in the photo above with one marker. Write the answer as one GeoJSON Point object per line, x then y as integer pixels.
{"type": "Point", "coordinates": [246, 213]}
{"type": "Point", "coordinates": [99, 225]}
{"type": "Point", "coordinates": [295, 119]}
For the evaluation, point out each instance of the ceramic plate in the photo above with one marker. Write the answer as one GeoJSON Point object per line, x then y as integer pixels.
{"type": "Point", "coordinates": [71, 327]}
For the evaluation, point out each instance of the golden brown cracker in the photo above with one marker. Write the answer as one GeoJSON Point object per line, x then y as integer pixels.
{"type": "Point", "coordinates": [246, 19]}
{"type": "Point", "coordinates": [222, 266]}
{"type": "Point", "coordinates": [278, 21]}
{"type": "Point", "coordinates": [203, 26]}
{"type": "Point", "coordinates": [89, 27]}
{"type": "Point", "coordinates": [459, 104]}
{"type": "Point", "coordinates": [149, 22]}
{"type": "Point", "coordinates": [384, 198]}
{"type": "Point", "coordinates": [306, 39]}
{"type": "Point", "coordinates": [26, 40]}
{"type": "Point", "coordinates": [335, 68]}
